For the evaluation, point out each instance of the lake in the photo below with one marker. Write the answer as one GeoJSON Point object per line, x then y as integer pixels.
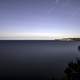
{"type": "Point", "coordinates": [36, 58]}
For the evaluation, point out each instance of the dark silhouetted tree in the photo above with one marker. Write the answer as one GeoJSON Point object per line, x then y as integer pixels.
{"type": "Point", "coordinates": [72, 72]}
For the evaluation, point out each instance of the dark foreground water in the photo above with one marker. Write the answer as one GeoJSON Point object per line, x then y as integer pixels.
{"type": "Point", "coordinates": [39, 60]}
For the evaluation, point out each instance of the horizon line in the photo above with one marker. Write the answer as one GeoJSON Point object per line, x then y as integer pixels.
{"type": "Point", "coordinates": [35, 36]}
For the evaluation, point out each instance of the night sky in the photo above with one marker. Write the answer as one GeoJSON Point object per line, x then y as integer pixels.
{"type": "Point", "coordinates": [56, 17]}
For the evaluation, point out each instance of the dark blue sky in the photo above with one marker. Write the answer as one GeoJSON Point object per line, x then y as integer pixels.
{"type": "Point", "coordinates": [40, 16]}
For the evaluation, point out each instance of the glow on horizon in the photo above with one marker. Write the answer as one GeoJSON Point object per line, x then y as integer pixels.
{"type": "Point", "coordinates": [35, 36]}
{"type": "Point", "coordinates": [39, 19]}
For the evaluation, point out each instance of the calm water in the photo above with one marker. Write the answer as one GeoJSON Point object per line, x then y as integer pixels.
{"type": "Point", "coordinates": [36, 58]}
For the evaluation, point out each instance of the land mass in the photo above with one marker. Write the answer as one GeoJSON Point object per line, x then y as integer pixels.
{"type": "Point", "coordinates": [69, 39]}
